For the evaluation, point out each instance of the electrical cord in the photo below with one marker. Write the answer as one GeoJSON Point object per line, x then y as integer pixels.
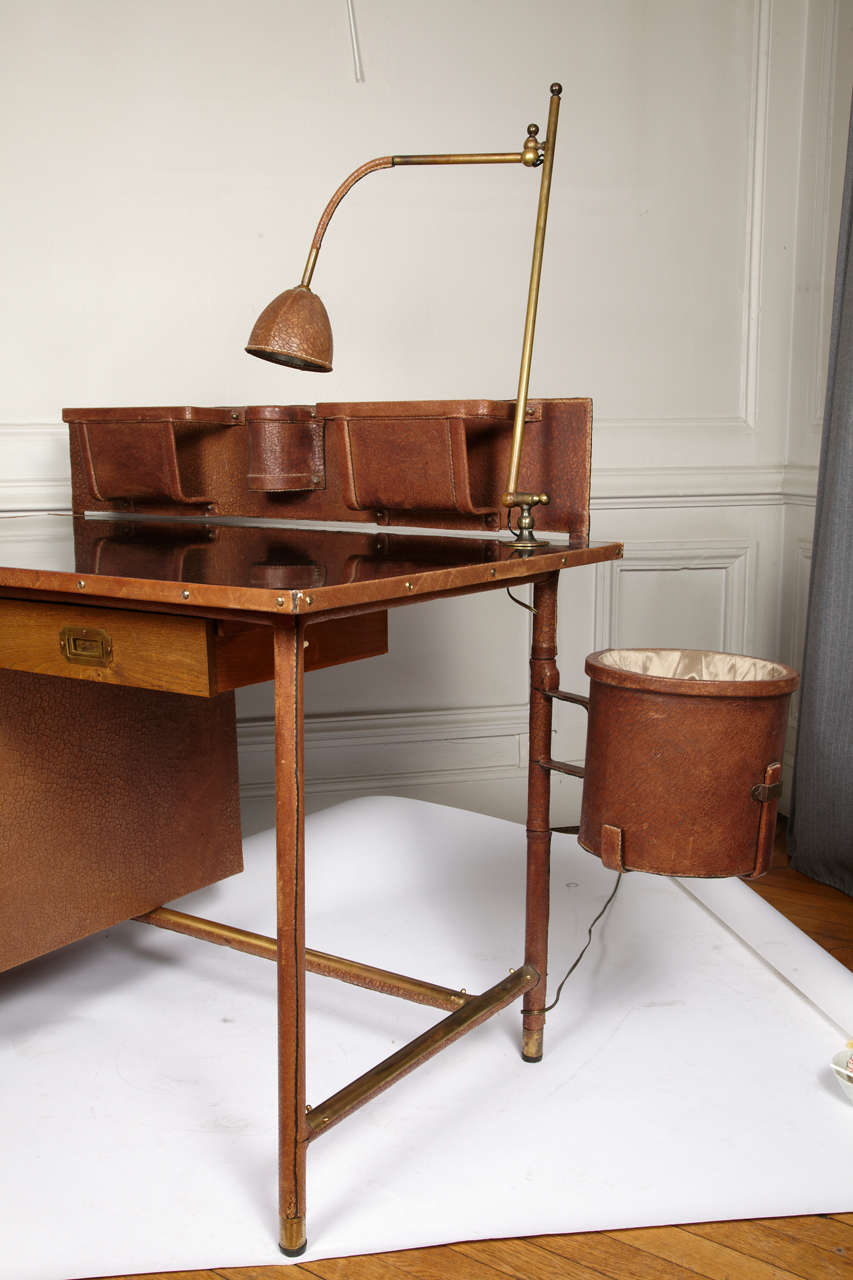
{"type": "Point", "coordinates": [522, 603]}
{"type": "Point", "coordinates": [583, 950]}
{"type": "Point", "coordinates": [581, 953]}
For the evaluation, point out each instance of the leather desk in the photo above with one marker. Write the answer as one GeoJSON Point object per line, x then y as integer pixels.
{"type": "Point", "coordinates": [120, 645]}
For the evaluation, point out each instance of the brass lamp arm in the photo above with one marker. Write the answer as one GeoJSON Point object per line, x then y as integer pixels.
{"type": "Point", "coordinates": [383, 162]}
{"type": "Point", "coordinates": [390, 162]}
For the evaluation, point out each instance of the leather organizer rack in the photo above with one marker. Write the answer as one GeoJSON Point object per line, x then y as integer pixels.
{"type": "Point", "coordinates": [431, 463]}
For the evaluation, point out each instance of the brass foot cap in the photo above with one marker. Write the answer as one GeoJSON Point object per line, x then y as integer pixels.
{"type": "Point", "coordinates": [293, 1253]}
{"type": "Point", "coordinates": [532, 1044]}
{"type": "Point", "coordinates": [293, 1242]}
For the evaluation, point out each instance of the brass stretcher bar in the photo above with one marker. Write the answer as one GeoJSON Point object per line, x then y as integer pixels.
{"type": "Point", "coordinates": [319, 962]}
{"type": "Point", "coordinates": [467, 1013]}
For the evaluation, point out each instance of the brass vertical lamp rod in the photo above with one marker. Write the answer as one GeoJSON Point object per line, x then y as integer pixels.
{"type": "Point", "coordinates": [511, 498]}
{"type": "Point", "coordinates": [294, 329]}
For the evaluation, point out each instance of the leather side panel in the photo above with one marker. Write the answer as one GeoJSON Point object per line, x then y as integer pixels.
{"type": "Point", "coordinates": [112, 801]}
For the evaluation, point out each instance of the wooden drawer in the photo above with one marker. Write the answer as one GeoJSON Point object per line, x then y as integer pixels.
{"type": "Point", "coordinates": [162, 651]}
{"type": "Point", "coordinates": [244, 655]}
{"type": "Point", "coordinates": [109, 646]}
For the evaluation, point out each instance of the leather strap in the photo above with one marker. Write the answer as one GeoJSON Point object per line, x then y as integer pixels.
{"type": "Point", "coordinates": [771, 788]}
{"type": "Point", "coordinates": [611, 848]}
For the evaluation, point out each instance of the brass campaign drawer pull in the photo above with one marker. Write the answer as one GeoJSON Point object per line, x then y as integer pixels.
{"type": "Point", "coordinates": [88, 646]}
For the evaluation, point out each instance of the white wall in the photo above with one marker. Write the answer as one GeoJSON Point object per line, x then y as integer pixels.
{"type": "Point", "coordinates": [164, 166]}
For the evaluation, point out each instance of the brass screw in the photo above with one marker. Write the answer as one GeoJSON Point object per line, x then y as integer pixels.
{"type": "Point", "coordinates": [462, 991]}
{"type": "Point", "coordinates": [185, 595]}
{"type": "Point", "coordinates": [280, 601]}
{"type": "Point", "coordinates": [492, 572]}
{"type": "Point", "coordinates": [410, 586]}
{"type": "Point", "coordinates": [307, 1107]}
{"type": "Point", "coordinates": [309, 599]}
{"type": "Point", "coordinates": [512, 970]}
{"type": "Point", "coordinates": [563, 560]}
{"type": "Point", "coordinates": [81, 586]}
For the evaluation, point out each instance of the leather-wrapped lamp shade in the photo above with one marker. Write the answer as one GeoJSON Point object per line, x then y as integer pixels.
{"type": "Point", "coordinates": [294, 330]}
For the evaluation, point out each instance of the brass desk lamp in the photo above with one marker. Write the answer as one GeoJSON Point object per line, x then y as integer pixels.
{"type": "Point", "coordinates": [294, 329]}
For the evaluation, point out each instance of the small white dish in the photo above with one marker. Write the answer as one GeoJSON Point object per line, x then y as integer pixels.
{"type": "Point", "coordinates": [842, 1068]}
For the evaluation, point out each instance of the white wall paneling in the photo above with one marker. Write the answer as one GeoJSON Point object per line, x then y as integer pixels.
{"type": "Point", "coordinates": [393, 753]}
{"type": "Point", "coordinates": [35, 473]}
{"type": "Point", "coordinates": [689, 595]}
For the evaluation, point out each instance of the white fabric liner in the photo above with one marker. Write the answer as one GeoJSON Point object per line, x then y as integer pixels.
{"type": "Point", "coordinates": [682, 1080]}
{"type": "Point", "coordinates": [692, 664]}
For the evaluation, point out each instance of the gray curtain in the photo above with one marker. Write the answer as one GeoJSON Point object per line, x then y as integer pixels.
{"type": "Point", "coordinates": [821, 834]}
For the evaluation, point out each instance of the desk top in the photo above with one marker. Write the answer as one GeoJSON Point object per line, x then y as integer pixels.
{"type": "Point", "coordinates": [208, 567]}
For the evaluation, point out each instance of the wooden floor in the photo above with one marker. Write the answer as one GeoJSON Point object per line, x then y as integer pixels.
{"type": "Point", "coordinates": [817, 1248]}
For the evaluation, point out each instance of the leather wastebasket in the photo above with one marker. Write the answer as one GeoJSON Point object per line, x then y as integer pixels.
{"type": "Point", "coordinates": [683, 760]}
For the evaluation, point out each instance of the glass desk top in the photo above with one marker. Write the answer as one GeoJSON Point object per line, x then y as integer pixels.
{"type": "Point", "coordinates": [260, 567]}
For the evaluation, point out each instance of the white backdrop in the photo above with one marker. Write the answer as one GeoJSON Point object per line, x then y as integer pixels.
{"type": "Point", "coordinates": [164, 166]}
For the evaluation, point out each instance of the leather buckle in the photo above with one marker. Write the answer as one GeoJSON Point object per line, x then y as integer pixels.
{"type": "Point", "coordinates": [764, 791]}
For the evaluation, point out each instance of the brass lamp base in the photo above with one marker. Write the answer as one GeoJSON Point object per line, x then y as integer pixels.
{"type": "Point", "coordinates": [525, 538]}
{"type": "Point", "coordinates": [524, 535]}
{"type": "Point", "coordinates": [293, 1242]}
